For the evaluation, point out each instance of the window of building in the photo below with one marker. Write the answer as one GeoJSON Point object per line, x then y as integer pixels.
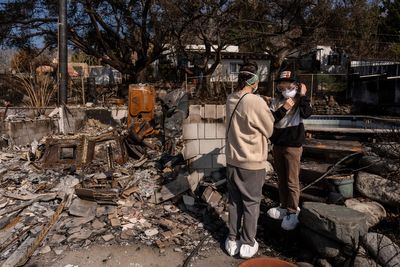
{"type": "Point", "coordinates": [234, 67]}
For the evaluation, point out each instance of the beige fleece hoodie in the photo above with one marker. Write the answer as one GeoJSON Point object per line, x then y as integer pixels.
{"type": "Point", "coordinates": [247, 138]}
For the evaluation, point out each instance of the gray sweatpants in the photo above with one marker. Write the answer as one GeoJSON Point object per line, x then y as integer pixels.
{"type": "Point", "coordinates": [245, 192]}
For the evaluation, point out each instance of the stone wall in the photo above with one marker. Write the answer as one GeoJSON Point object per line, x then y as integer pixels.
{"type": "Point", "coordinates": [22, 128]}
{"type": "Point", "coordinates": [204, 137]}
{"type": "Point", "coordinates": [24, 132]}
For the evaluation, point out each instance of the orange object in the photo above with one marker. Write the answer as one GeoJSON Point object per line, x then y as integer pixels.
{"type": "Point", "coordinates": [142, 100]}
{"type": "Point", "coordinates": [266, 262]}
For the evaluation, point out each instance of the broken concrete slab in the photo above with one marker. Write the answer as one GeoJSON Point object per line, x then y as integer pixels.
{"type": "Point", "coordinates": [108, 237]}
{"type": "Point", "coordinates": [333, 221]}
{"type": "Point", "coordinates": [83, 234]}
{"type": "Point", "coordinates": [83, 208]}
{"type": "Point", "coordinates": [96, 224]}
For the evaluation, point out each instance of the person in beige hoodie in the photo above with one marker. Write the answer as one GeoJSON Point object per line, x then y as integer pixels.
{"type": "Point", "coordinates": [249, 125]}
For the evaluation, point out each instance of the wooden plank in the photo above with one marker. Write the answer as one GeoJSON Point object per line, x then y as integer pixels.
{"type": "Point", "coordinates": [25, 251]}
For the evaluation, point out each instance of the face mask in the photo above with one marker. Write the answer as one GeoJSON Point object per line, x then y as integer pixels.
{"type": "Point", "coordinates": [289, 93]}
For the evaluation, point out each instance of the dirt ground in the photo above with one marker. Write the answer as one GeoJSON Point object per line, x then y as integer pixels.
{"type": "Point", "coordinates": [131, 255]}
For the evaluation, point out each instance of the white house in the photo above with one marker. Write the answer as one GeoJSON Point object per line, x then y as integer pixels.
{"type": "Point", "coordinates": [231, 58]}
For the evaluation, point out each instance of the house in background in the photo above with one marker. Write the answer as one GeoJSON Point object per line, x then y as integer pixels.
{"type": "Point", "coordinates": [228, 69]}
{"type": "Point", "coordinates": [321, 59]}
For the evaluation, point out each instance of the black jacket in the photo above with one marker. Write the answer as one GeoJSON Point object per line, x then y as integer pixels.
{"type": "Point", "coordinates": [288, 126]}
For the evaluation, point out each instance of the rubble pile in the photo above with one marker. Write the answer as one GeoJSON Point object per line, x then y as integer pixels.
{"type": "Point", "coordinates": [105, 207]}
{"type": "Point", "coordinates": [69, 191]}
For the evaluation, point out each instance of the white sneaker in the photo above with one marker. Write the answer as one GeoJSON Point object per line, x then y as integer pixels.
{"type": "Point", "coordinates": [232, 246]}
{"type": "Point", "coordinates": [290, 222]}
{"type": "Point", "coordinates": [247, 251]}
{"type": "Point", "coordinates": [277, 213]}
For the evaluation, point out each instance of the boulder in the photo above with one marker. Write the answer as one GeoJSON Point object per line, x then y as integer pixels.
{"type": "Point", "coordinates": [386, 252]}
{"type": "Point", "coordinates": [387, 150]}
{"type": "Point", "coordinates": [375, 212]}
{"type": "Point", "coordinates": [362, 259]}
{"type": "Point", "coordinates": [378, 188]}
{"type": "Point", "coordinates": [336, 222]}
{"type": "Point", "coordinates": [325, 247]}
{"type": "Point", "coordinates": [377, 165]}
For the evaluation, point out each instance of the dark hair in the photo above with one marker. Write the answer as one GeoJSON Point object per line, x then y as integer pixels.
{"type": "Point", "coordinates": [243, 77]}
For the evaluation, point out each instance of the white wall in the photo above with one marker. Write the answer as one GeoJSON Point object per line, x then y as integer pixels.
{"type": "Point", "coordinates": [223, 72]}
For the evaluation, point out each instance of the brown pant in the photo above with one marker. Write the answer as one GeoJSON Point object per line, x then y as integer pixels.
{"type": "Point", "coordinates": [287, 166]}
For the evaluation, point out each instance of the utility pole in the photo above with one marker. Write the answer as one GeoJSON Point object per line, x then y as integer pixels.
{"type": "Point", "coordinates": [62, 62]}
{"type": "Point", "coordinates": [62, 52]}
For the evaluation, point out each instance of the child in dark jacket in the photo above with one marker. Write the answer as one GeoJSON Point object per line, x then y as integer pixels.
{"type": "Point", "coordinates": [289, 109]}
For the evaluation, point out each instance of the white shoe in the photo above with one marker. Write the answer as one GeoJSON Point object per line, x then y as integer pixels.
{"type": "Point", "coordinates": [290, 222]}
{"type": "Point", "coordinates": [232, 246]}
{"type": "Point", "coordinates": [247, 251]}
{"type": "Point", "coordinates": [277, 213]}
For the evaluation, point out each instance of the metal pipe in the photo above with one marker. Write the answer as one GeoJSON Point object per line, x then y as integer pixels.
{"type": "Point", "coordinates": [62, 52]}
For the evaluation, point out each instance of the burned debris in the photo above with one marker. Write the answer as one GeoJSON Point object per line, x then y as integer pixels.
{"type": "Point", "coordinates": [157, 177]}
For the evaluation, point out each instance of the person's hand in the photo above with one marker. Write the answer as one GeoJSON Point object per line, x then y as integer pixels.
{"type": "Point", "coordinates": [303, 89]}
{"type": "Point", "coordinates": [288, 104]}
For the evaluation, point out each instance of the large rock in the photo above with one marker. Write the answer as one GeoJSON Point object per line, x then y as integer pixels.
{"type": "Point", "coordinates": [362, 259]}
{"type": "Point", "coordinates": [387, 150]}
{"type": "Point", "coordinates": [382, 249]}
{"type": "Point", "coordinates": [378, 188]}
{"type": "Point", "coordinates": [377, 165]}
{"type": "Point", "coordinates": [336, 222]}
{"type": "Point", "coordinates": [325, 247]}
{"type": "Point", "coordinates": [375, 212]}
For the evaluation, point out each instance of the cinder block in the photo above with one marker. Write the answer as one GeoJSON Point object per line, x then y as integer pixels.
{"type": "Point", "coordinates": [221, 130]}
{"type": "Point", "coordinates": [210, 111]}
{"type": "Point", "coordinates": [211, 196]}
{"type": "Point", "coordinates": [201, 130]}
{"type": "Point", "coordinates": [196, 113]}
{"type": "Point", "coordinates": [191, 149]}
{"type": "Point", "coordinates": [201, 162]}
{"type": "Point", "coordinates": [221, 112]}
{"type": "Point", "coordinates": [190, 131]}
{"type": "Point", "coordinates": [210, 146]}
{"type": "Point", "coordinates": [219, 161]}
{"type": "Point", "coordinates": [210, 130]}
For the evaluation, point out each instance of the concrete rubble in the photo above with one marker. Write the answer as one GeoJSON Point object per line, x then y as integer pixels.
{"type": "Point", "coordinates": [106, 185]}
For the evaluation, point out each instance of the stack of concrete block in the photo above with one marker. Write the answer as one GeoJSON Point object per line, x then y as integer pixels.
{"type": "Point", "coordinates": [204, 137]}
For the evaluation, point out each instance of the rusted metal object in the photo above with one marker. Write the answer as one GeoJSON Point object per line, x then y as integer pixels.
{"type": "Point", "coordinates": [141, 105]}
